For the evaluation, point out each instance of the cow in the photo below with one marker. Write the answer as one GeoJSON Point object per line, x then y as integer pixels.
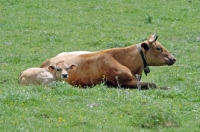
{"type": "Point", "coordinates": [42, 76]}
{"type": "Point", "coordinates": [117, 67]}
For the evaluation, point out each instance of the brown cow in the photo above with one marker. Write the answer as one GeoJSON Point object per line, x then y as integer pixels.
{"type": "Point", "coordinates": [117, 66]}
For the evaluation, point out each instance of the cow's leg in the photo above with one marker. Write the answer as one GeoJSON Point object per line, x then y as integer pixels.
{"type": "Point", "coordinates": [121, 76]}
{"type": "Point", "coordinates": [133, 84]}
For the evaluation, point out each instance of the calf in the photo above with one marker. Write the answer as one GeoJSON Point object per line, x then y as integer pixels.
{"type": "Point", "coordinates": [118, 67]}
{"type": "Point", "coordinates": [44, 76]}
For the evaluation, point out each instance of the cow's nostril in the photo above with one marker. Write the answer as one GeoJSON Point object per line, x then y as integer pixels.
{"type": "Point", "coordinates": [171, 61]}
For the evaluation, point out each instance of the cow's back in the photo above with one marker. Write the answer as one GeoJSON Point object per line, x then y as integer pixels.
{"type": "Point", "coordinates": [64, 56]}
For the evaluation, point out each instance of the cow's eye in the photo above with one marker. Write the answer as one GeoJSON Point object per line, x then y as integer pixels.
{"type": "Point", "coordinates": [159, 48]}
{"type": "Point", "coordinates": [58, 69]}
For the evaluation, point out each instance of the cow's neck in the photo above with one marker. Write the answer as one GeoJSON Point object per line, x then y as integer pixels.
{"type": "Point", "coordinates": [129, 57]}
{"type": "Point", "coordinates": [146, 68]}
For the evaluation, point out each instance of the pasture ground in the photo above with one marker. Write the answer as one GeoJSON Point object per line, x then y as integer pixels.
{"type": "Point", "coordinates": [33, 30]}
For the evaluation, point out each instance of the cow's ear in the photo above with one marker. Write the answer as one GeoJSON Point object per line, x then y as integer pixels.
{"type": "Point", "coordinates": [51, 68]}
{"type": "Point", "coordinates": [153, 38]}
{"type": "Point", "coordinates": [145, 46]}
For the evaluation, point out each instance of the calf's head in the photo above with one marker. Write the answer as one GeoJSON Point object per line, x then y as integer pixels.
{"type": "Point", "coordinates": [155, 53]}
{"type": "Point", "coordinates": [61, 70]}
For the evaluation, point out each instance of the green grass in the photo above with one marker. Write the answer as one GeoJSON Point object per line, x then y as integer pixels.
{"type": "Point", "coordinates": [33, 30]}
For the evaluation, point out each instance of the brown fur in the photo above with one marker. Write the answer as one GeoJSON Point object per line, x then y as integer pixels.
{"type": "Point", "coordinates": [118, 66]}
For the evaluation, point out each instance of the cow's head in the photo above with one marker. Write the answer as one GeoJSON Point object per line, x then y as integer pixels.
{"type": "Point", "coordinates": [61, 69]}
{"type": "Point", "coordinates": [155, 53]}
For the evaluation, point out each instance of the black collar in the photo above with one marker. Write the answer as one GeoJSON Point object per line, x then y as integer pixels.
{"type": "Point", "coordinates": [146, 68]}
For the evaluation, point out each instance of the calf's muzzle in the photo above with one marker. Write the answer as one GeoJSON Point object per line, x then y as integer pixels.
{"type": "Point", "coordinates": [65, 75]}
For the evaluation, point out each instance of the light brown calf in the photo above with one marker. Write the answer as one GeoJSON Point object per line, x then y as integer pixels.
{"type": "Point", "coordinates": [44, 76]}
{"type": "Point", "coordinates": [118, 66]}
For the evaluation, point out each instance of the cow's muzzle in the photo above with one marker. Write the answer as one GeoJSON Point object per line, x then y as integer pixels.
{"type": "Point", "coordinates": [171, 60]}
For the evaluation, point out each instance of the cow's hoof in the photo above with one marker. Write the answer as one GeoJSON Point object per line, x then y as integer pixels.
{"type": "Point", "coordinates": [165, 88]}
{"type": "Point", "coordinates": [152, 85]}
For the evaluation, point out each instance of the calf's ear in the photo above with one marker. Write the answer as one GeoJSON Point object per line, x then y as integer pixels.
{"type": "Point", "coordinates": [145, 45]}
{"type": "Point", "coordinates": [51, 68]}
{"type": "Point", "coordinates": [73, 66]}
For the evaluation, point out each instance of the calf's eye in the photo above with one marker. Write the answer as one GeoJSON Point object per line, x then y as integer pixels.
{"type": "Point", "coordinates": [58, 69]}
{"type": "Point", "coordinates": [67, 69]}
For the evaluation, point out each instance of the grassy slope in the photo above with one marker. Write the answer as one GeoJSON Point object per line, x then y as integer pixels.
{"type": "Point", "coordinates": [32, 31]}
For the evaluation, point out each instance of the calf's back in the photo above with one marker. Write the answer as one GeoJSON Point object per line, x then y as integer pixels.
{"type": "Point", "coordinates": [36, 76]}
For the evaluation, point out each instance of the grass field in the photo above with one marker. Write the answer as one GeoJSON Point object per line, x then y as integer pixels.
{"type": "Point", "coordinates": [34, 30]}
